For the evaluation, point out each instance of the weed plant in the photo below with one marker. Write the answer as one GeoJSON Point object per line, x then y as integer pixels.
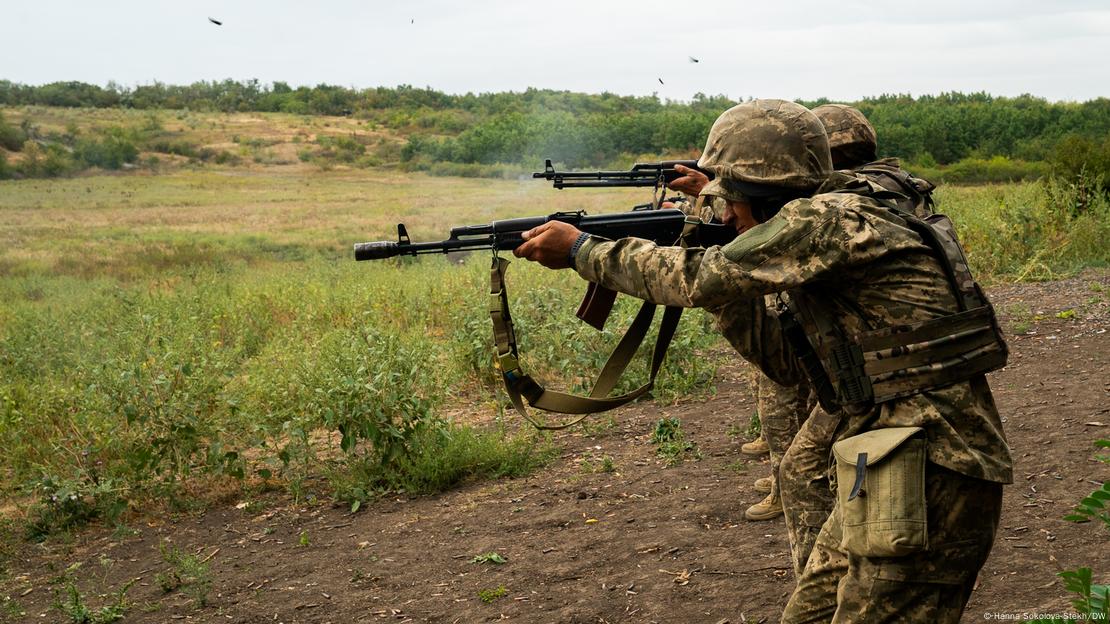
{"type": "Point", "coordinates": [186, 572]}
{"type": "Point", "coordinates": [73, 604]}
{"type": "Point", "coordinates": [671, 441]}
{"type": "Point", "coordinates": [1090, 600]}
{"type": "Point", "coordinates": [490, 594]}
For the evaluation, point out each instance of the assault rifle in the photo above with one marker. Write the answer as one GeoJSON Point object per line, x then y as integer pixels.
{"type": "Point", "coordinates": [664, 227]}
{"type": "Point", "coordinates": [656, 174]}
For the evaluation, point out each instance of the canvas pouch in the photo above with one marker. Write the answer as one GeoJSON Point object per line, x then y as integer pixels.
{"type": "Point", "coordinates": [881, 492]}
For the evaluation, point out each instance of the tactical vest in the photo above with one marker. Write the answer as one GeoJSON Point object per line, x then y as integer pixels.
{"type": "Point", "coordinates": [855, 373]}
{"type": "Point", "coordinates": [918, 192]}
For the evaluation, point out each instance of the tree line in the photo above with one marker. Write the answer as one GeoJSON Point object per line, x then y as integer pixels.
{"type": "Point", "coordinates": [1000, 133]}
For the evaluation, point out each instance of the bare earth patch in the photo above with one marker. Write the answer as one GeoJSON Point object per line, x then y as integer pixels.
{"type": "Point", "coordinates": [642, 543]}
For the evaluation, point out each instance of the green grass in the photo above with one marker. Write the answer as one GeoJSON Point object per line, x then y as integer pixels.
{"type": "Point", "coordinates": [209, 321]}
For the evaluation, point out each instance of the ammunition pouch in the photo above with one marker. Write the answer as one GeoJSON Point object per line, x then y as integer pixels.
{"type": "Point", "coordinates": [881, 492]}
{"type": "Point", "coordinates": [903, 360]}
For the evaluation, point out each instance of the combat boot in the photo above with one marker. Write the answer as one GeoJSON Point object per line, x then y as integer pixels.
{"type": "Point", "coordinates": [764, 485]}
{"type": "Point", "coordinates": [755, 448]}
{"type": "Point", "coordinates": [767, 509]}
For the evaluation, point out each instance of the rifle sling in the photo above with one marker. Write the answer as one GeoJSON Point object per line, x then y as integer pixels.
{"type": "Point", "coordinates": [521, 386]}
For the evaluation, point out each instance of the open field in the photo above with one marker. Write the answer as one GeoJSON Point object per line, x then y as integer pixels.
{"type": "Point", "coordinates": [195, 335]}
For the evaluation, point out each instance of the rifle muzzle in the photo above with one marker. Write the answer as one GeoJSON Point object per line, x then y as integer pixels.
{"type": "Point", "coordinates": [378, 250]}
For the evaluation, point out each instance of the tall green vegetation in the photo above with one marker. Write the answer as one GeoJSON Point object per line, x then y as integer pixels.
{"type": "Point", "coordinates": [1032, 230]}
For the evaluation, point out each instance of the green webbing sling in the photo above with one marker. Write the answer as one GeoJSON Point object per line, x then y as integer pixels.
{"type": "Point", "coordinates": [521, 386]}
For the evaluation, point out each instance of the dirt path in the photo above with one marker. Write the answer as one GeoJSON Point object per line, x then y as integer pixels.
{"type": "Point", "coordinates": [642, 543]}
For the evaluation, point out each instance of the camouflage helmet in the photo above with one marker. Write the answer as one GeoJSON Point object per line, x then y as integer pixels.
{"type": "Point", "coordinates": [852, 139]}
{"type": "Point", "coordinates": [763, 148]}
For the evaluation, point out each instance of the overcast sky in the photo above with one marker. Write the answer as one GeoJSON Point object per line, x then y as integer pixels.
{"type": "Point", "coordinates": [843, 50]}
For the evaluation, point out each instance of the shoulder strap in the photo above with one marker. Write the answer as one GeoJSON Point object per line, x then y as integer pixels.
{"type": "Point", "coordinates": [807, 356]}
{"type": "Point", "coordinates": [521, 386]}
{"type": "Point", "coordinates": [939, 233]}
{"type": "Point", "coordinates": [919, 190]}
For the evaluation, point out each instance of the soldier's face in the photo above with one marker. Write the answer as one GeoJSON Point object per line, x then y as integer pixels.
{"type": "Point", "coordinates": [738, 214]}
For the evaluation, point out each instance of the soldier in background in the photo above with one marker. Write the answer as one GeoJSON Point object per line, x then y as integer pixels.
{"type": "Point", "coordinates": [853, 144]}
{"type": "Point", "coordinates": [862, 277]}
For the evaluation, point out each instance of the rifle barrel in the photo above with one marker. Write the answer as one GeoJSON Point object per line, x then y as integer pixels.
{"type": "Point", "coordinates": [380, 250]}
{"type": "Point", "coordinates": [640, 175]}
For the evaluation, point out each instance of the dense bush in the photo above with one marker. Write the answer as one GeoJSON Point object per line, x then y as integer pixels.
{"type": "Point", "coordinates": [573, 140]}
{"type": "Point", "coordinates": [66, 154]}
{"type": "Point", "coordinates": [1079, 157]}
{"type": "Point", "coordinates": [110, 151]}
{"type": "Point", "coordinates": [11, 137]}
{"type": "Point", "coordinates": [179, 148]}
{"type": "Point", "coordinates": [343, 148]}
{"type": "Point", "coordinates": [45, 161]}
{"type": "Point", "coordinates": [998, 169]}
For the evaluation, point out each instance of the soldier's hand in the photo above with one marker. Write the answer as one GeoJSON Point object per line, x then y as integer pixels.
{"type": "Point", "coordinates": [549, 244]}
{"type": "Point", "coordinates": [691, 182]}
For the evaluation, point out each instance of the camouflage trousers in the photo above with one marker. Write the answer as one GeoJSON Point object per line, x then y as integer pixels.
{"type": "Point", "coordinates": [782, 410]}
{"type": "Point", "coordinates": [802, 476]}
{"type": "Point", "coordinates": [931, 586]}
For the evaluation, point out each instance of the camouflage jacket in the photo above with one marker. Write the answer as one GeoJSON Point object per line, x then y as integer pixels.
{"type": "Point", "coordinates": [847, 251]}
